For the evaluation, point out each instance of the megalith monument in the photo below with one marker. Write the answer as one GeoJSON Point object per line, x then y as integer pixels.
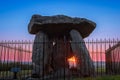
{"type": "Point", "coordinates": [57, 38]}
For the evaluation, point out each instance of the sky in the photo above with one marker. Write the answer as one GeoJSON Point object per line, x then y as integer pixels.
{"type": "Point", "coordinates": [16, 14]}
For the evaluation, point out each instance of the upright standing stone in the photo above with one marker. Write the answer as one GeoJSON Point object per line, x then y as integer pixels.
{"type": "Point", "coordinates": [40, 55]}
{"type": "Point", "coordinates": [78, 46]}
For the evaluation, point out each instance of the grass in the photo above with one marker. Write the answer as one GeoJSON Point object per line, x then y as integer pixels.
{"type": "Point", "coordinates": [28, 72]}
{"type": "Point", "coordinates": [116, 77]}
{"type": "Point", "coordinates": [10, 74]}
{"type": "Point", "coordinates": [100, 70]}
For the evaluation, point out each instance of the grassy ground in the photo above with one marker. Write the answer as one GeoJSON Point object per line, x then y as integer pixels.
{"type": "Point", "coordinates": [24, 73]}
{"type": "Point", "coordinates": [10, 74]}
{"type": "Point", "coordinates": [116, 77]}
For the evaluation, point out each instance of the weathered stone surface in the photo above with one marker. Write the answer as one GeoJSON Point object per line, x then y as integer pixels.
{"type": "Point", "coordinates": [59, 55]}
{"type": "Point", "coordinates": [85, 65]}
{"type": "Point", "coordinates": [60, 25]}
{"type": "Point", "coordinates": [40, 54]}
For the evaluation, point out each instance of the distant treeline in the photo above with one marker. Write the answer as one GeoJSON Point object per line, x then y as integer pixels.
{"type": "Point", "coordinates": [8, 66]}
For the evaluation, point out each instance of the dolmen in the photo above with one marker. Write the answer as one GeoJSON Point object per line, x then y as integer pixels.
{"type": "Point", "coordinates": [58, 38]}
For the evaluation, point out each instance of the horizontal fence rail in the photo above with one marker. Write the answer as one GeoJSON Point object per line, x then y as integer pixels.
{"type": "Point", "coordinates": [16, 58]}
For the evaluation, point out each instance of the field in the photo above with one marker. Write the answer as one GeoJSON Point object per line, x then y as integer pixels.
{"type": "Point", "coordinates": [8, 74]}
{"type": "Point", "coordinates": [100, 71]}
{"type": "Point", "coordinates": [116, 77]}
{"type": "Point", "coordinates": [24, 73]}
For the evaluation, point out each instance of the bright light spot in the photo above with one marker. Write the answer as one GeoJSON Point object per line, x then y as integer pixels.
{"type": "Point", "coordinates": [72, 62]}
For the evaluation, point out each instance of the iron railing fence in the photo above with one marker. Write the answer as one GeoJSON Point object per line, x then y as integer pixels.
{"type": "Point", "coordinates": [105, 55]}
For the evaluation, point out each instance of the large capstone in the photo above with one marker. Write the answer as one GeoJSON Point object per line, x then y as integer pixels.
{"type": "Point", "coordinates": [60, 25]}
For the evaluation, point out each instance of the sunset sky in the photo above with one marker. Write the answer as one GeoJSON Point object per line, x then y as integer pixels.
{"type": "Point", "coordinates": [16, 14]}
